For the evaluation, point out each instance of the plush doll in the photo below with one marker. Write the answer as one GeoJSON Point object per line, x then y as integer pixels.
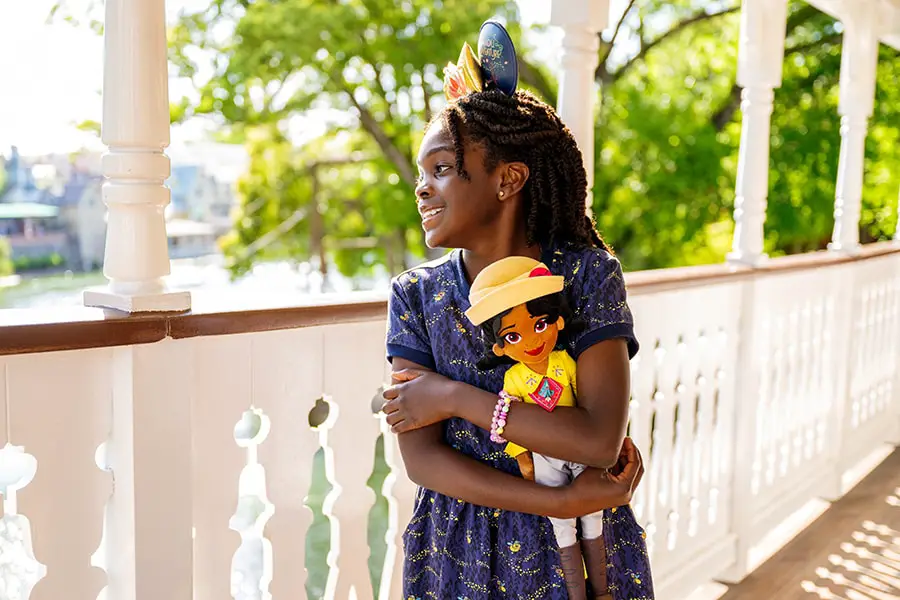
{"type": "Point", "coordinates": [522, 310]}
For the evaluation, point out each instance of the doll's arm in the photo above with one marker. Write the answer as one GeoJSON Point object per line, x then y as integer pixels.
{"type": "Point", "coordinates": [590, 434]}
{"type": "Point", "coordinates": [433, 464]}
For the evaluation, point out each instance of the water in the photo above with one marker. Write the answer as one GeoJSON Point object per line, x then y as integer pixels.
{"type": "Point", "coordinates": [297, 282]}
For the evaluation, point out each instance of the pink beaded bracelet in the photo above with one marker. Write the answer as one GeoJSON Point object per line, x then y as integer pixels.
{"type": "Point", "coordinates": [498, 421]}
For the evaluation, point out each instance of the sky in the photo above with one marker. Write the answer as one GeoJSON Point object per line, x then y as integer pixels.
{"type": "Point", "coordinates": [51, 76]}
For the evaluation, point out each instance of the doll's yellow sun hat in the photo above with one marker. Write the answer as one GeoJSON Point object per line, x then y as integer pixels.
{"type": "Point", "coordinates": [508, 283]}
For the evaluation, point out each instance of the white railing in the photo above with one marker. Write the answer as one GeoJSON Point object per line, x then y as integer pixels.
{"type": "Point", "coordinates": [755, 392]}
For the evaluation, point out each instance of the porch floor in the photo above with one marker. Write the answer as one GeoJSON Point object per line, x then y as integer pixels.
{"type": "Point", "coordinates": [852, 551]}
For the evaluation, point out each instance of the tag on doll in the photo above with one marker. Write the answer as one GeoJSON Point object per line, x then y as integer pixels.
{"type": "Point", "coordinates": [547, 394]}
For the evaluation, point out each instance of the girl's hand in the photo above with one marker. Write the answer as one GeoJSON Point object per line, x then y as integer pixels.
{"type": "Point", "coordinates": [417, 399]}
{"type": "Point", "coordinates": [600, 489]}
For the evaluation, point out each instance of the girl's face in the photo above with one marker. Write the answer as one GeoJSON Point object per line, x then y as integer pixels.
{"type": "Point", "coordinates": [527, 338]}
{"type": "Point", "coordinates": [454, 211]}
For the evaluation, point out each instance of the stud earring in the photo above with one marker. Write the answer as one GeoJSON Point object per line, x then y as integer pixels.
{"type": "Point", "coordinates": [501, 194]}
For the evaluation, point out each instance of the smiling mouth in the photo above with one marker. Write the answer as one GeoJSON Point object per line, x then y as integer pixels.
{"type": "Point", "coordinates": [430, 214]}
{"type": "Point", "coordinates": [535, 351]}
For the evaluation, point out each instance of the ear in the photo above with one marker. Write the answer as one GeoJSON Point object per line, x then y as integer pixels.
{"type": "Point", "coordinates": [560, 324]}
{"type": "Point", "coordinates": [514, 177]}
{"type": "Point", "coordinates": [498, 350]}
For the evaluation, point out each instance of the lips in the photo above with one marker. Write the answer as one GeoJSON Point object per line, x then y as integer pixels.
{"type": "Point", "coordinates": [536, 351]}
{"type": "Point", "coordinates": [430, 214]}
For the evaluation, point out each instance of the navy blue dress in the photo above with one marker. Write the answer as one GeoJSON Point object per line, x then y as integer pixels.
{"type": "Point", "coordinates": [455, 550]}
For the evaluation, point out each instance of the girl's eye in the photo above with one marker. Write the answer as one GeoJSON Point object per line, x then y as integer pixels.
{"type": "Point", "coordinates": [540, 326]}
{"type": "Point", "coordinates": [441, 169]}
{"type": "Point", "coordinates": [512, 338]}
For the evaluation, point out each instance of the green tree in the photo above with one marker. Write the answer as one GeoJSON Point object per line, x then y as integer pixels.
{"type": "Point", "coordinates": [669, 130]}
{"type": "Point", "coordinates": [366, 74]}
{"type": "Point", "coordinates": [6, 262]}
{"type": "Point", "coordinates": [370, 70]}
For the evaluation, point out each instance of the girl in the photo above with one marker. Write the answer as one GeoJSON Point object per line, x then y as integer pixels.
{"type": "Point", "coordinates": [500, 175]}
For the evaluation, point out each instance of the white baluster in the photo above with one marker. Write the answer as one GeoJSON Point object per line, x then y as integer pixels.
{"type": "Point", "coordinates": [60, 420]}
{"type": "Point", "coordinates": [354, 370]}
{"type": "Point", "coordinates": [287, 382]}
{"type": "Point", "coordinates": [251, 565]}
{"type": "Point", "coordinates": [746, 405]}
{"type": "Point", "coordinates": [581, 22]}
{"type": "Point", "coordinates": [150, 516]}
{"type": "Point", "coordinates": [217, 395]}
{"type": "Point", "coordinates": [894, 336]}
{"type": "Point", "coordinates": [20, 570]}
{"type": "Point", "coordinates": [859, 63]}
{"type": "Point", "coordinates": [840, 361]}
{"type": "Point", "coordinates": [136, 130]}
{"type": "Point", "coordinates": [761, 52]}
{"type": "Point", "coordinates": [400, 493]}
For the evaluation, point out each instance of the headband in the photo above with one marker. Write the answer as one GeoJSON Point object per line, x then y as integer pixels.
{"type": "Point", "coordinates": [494, 67]}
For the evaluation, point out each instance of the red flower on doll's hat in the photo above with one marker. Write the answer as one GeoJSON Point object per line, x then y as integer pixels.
{"type": "Point", "coordinates": [540, 272]}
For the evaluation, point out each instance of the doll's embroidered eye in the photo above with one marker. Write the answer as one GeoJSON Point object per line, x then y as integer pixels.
{"type": "Point", "coordinates": [512, 338]}
{"type": "Point", "coordinates": [540, 326]}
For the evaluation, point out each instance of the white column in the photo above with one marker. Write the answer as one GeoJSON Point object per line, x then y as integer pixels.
{"type": "Point", "coordinates": [859, 62]}
{"type": "Point", "coordinates": [581, 22]}
{"type": "Point", "coordinates": [136, 131]}
{"type": "Point", "coordinates": [760, 54]}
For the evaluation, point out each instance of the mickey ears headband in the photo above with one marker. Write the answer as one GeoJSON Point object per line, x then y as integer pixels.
{"type": "Point", "coordinates": [494, 67]}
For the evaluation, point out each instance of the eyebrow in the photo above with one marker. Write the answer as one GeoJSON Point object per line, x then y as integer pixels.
{"type": "Point", "coordinates": [437, 149]}
{"type": "Point", "coordinates": [505, 328]}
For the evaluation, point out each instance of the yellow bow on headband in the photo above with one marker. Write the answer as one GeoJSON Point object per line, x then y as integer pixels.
{"type": "Point", "coordinates": [464, 77]}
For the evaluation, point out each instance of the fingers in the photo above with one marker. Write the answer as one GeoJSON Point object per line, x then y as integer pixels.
{"type": "Point", "coordinates": [404, 375]}
{"type": "Point", "coordinates": [402, 427]}
{"type": "Point", "coordinates": [391, 406]}
{"type": "Point", "coordinates": [393, 418]}
{"type": "Point", "coordinates": [632, 464]}
{"type": "Point", "coordinates": [391, 392]}
{"type": "Point", "coordinates": [396, 417]}
{"type": "Point", "coordinates": [628, 448]}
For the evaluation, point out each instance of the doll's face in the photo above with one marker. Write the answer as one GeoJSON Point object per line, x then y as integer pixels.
{"type": "Point", "coordinates": [527, 338]}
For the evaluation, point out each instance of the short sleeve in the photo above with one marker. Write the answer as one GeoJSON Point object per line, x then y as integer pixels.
{"type": "Point", "coordinates": [571, 368]}
{"type": "Point", "coordinates": [407, 336]}
{"type": "Point", "coordinates": [511, 383]}
{"type": "Point", "coordinates": [599, 300]}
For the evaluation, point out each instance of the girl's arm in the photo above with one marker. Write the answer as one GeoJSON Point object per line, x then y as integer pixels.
{"type": "Point", "coordinates": [432, 464]}
{"type": "Point", "coordinates": [590, 434]}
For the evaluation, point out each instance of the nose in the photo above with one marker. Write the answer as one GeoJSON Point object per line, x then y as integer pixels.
{"type": "Point", "coordinates": [423, 190]}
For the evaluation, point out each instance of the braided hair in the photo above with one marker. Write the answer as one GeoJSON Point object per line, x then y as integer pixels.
{"type": "Point", "coordinates": [521, 128]}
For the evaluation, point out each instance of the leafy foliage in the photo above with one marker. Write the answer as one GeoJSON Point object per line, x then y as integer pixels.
{"type": "Point", "coordinates": [361, 78]}
{"type": "Point", "coordinates": [669, 133]}
{"type": "Point", "coordinates": [6, 262]}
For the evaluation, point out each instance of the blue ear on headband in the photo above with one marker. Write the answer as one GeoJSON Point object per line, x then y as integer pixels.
{"type": "Point", "coordinates": [497, 55]}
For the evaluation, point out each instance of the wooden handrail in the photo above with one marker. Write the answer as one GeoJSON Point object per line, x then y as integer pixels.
{"type": "Point", "coordinates": [24, 331]}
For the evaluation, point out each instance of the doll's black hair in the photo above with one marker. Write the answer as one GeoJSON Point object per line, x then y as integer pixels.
{"type": "Point", "coordinates": [552, 305]}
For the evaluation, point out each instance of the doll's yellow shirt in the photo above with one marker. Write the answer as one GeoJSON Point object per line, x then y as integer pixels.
{"type": "Point", "coordinates": [521, 381]}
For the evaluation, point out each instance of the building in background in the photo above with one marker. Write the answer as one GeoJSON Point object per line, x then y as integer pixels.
{"type": "Point", "coordinates": [52, 207]}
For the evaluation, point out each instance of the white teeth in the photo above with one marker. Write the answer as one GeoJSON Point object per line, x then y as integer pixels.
{"type": "Point", "coordinates": [432, 212]}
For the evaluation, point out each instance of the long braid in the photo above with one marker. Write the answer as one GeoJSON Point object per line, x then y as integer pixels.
{"type": "Point", "coordinates": [522, 128]}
